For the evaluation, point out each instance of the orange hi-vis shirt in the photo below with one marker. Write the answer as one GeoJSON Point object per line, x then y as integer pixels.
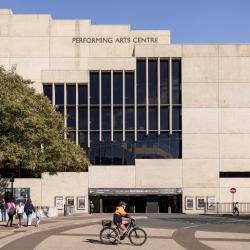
{"type": "Point", "coordinates": [120, 211]}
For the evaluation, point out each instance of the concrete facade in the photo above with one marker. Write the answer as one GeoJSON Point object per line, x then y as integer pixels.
{"type": "Point", "coordinates": [215, 103]}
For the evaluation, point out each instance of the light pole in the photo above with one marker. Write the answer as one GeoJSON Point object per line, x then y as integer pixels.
{"type": "Point", "coordinates": [12, 179]}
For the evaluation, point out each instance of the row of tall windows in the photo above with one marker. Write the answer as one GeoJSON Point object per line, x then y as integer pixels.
{"type": "Point", "coordinates": [115, 97]}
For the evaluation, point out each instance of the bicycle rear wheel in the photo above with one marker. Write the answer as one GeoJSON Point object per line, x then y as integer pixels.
{"type": "Point", "coordinates": [137, 236]}
{"type": "Point", "coordinates": [108, 235]}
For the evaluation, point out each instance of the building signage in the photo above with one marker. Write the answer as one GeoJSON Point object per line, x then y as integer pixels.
{"type": "Point", "coordinates": [134, 191]}
{"type": "Point", "coordinates": [232, 190]}
{"type": "Point", "coordinates": [117, 40]}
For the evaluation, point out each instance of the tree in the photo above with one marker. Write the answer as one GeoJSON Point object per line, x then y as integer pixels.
{"type": "Point", "coordinates": [32, 132]}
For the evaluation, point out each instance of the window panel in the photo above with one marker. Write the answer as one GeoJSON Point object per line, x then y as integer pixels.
{"type": "Point", "coordinates": [71, 117]}
{"type": "Point", "coordinates": [164, 118]}
{"type": "Point", "coordinates": [83, 94]}
{"type": "Point", "coordinates": [83, 118]}
{"type": "Point", "coordinates": [60, 109]}
{"type": "Point", "coordinates": [94, 88]}
{"type": "Point", "coordinates": [59, 94]}
{"type": "Point", "coordinates": [106, 88]}
{"type": "Point", "coordinates": [129, 149]}
{"type": "Point", "coordinates": [152, 118]}
{"type": "Point", "coordinates": [117, 118]}
{"type": "Point", "coordinates": [83, 139]}
{"type": "Point", "coordinates": [129, 88]}
{"type": "Point", "coordinates": [94, 151]}
{"type": "Point", "coordinates": [117, 88]}
{"type": "Point", "coordinates": [72, 136]}
{"type": "Point", "coordinates": [71, 94]}
{"type": "Point", "coordinates": [47, 90]}
{"type": "Point", "coordinates": [141, 118]}
{"type": "Point", "coordinates": [164, 81]}
{"type": "Point", "coordinates": [129, 118]}
{"type": "Point", "coordinates": [141, 81]}
{"type": "Point", "coordinates": [152, 81]}
{"type": "Point", "coordinates": [106, 118]}
{"type": "Point", "coordinates": [176, 145]}
{"type": "Point", "coordinates": [176, 118]}
{"type": "Point", "coordinates": [176, 78]}
{"type": "Point", "coordinates": [94, 118]}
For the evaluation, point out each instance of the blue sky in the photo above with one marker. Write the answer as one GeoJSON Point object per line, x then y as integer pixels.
{"type": "Point", "coordinates": [190, 21]}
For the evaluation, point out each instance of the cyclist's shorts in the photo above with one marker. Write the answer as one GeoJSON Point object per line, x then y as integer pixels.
{"type": "Point", "coordinates": [117, 219]}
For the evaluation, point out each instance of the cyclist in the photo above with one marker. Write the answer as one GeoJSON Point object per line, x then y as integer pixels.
{"type": "Point", "coordinates": [118, 214]}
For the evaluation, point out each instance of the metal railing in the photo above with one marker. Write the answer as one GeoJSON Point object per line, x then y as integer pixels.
{"type": "Point", "coordinates": [226, 208]}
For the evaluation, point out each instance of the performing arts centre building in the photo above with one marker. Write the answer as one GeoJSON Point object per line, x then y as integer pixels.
{"type": "Point", "coordinates": [164, 125]}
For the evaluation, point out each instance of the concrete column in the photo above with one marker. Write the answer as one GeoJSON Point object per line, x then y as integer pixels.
{"type": "Point", "coordinates": [53, 94]}
{"type": "Point", "coordinates": [135, 100]}
{"type": "Point", "coordinates": [170, 97]}
{"type": "Point", "coordinates": [158, 97]}
{"type": "Point", "coordinates": [147, 96]}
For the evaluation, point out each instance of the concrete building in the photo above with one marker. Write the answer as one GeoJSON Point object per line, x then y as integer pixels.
{"type": "Point", "coordinates": [163, 124]}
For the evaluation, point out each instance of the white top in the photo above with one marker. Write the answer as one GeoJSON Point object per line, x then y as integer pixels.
{"type": "Point", "coordinates": [20, 210]}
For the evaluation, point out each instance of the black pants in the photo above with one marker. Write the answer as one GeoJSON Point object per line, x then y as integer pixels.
{"type": "Point", "coordinates": [236, 211]}
{"type": "Point", "coordinates": [10, 219]}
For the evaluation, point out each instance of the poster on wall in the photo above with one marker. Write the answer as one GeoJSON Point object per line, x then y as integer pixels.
{"type": "Point", "coordinates": [70, 200]}
{"type": "Point", "coordinates": [80, 202]}
{"type": "Point", "coordinates": [211, 202]}
{"type": "Point", "coordinates": [200, 202]}
{"type": "Point", "coordinates": [189, 202]}
{"type": "Point", "coordinates": [59, 202]}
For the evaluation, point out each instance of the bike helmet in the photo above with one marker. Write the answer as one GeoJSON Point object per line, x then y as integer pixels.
{"type": "Point", "coordinates": [122, 203]}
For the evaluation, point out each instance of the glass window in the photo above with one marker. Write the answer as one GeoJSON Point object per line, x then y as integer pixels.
{"type": "Point", "coordinates": [176, 78]}
{"type": "Point", "coordinates": [94, 87]}
{"type": "Point", "coordinates": [106, 88]}
{"type": "Point", "coordinates": [117, 149]}
{"type": "Point", "coordinates": [152, 118]}
{"type": "Point", "coordinates": [94, 151]}
{"type": "Point", "coordinates": [141, 81]}
{"type": "Point", "coordinates": [117, 88]}
{"type": "Point", "coordinates": [106, 118]}
{"type": "Point", "coordinates": [59, 94]}
{"type": "Point", "coordinates": [164, 118]}
{"type": "Point", "coordinates": [118, 118]}
{"type": "Point", "coordinates": [47, 90]}
{"type": "Point", "coordinates": [72, 136]}
{"type": "Point", "coordinates": [83, 139]}
{"type": "Point", "coordinates": [164, 146]}
{"type": "Point", "coordinates": [71, 117]}
{"type": "Point", "coordinates": [141, 118]}
{"type": "Point", "coordinates": [129, 118]}
{"type": "Point", "coordinates": [83, 118]}
{"type": "Point", "coordinates": [129, 88]}
{"type": "Point", "coordinates": [106, 149]}
{"type": "Point", "coordinates": [83, 94]}
{"type": "Point", "coordinates": [175, 145]}
{"type": "Point", "coordinates": [94, 118]}
{"type": "Point", "coordinates": [176, 118]}
{"type": "Point", "coordinates": [60, 109]}
{"type": "Point", "coordinates": [152, 81]}
{"type": "Point", "coordinates": [164, 81]}
{"type": "Point", "coordinates": [71, 94]}
{"type": "Point", "coordinates": [129, 149]}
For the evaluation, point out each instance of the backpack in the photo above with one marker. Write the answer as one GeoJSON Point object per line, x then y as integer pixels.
{"type": "Point", "coordinates": [12, 210]}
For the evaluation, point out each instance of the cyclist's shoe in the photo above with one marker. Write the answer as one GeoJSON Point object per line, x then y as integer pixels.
{"type": "Point", "coordinates": [118, 239]}
{"type": "Point", "coordinates": [122, 237]}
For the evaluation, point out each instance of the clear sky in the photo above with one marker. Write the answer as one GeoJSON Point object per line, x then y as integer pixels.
{"type": "Point", "coordinates": [190, 21]}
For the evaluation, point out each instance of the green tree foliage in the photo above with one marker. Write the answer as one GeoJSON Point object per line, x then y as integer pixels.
{"type": "Point", "coordinates": [32, 132]}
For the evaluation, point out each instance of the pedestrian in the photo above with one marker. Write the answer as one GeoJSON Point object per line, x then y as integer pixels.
{"type": "Point", "coordinates": [20, 212]}
{"type": "Point", "coordinates": [11, 211]}
{"type": "Point", "coordinates": [38, 217]}
{"type": "Point", "coordinates": [3, 210]}
{"type": "Point", "coordinates": [29, 209]}
{"type": "Point", "coordinates": [92, 207]}
{"type": "Point", "coordinates": [236, 209]}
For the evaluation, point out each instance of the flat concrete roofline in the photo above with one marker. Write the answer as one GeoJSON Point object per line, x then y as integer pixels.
{"type": "Point", "coordinates": [6, 12]}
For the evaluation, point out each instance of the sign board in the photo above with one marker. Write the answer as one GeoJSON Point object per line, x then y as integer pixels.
{"type": "Point", "coordinates": [232, 190]}
{"type": "Point", "coordinates": [134, 191]}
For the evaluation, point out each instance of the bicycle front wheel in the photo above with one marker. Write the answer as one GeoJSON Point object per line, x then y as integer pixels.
{"type": "Point", "coordinates": [108, 235]}
{"type": "Point", "coordinates": [137, 236]}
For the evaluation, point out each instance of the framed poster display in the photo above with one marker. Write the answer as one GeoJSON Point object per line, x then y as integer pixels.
{"type": "Point", "coordinates": [70, 200]}
{"type": "Point", "coordinates": [211, 202]}
{"type": "Point", "coordinates": [80, 202]}
{"type": "Point", "coordinates": [59, 202]}
{"type": "Point", "coordinates": [189, 202]}
{"type": "Point", "coordinates": [200, 202]}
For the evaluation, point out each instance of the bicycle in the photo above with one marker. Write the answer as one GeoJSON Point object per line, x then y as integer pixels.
{"type": "Point", "coordinates": [110, 235]}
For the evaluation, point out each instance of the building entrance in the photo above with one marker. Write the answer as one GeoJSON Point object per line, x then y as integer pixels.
{"type": "Point", "coordinates": [139, 204]}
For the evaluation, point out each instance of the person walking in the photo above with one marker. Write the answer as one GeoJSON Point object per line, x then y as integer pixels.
{"type": "Point", "coordinates": [38, 217]}
{"type": "Point", "coordinates": [92, 207]}
{"type": "Point", "coordinates": [20, 212]}
{"type": "Point", "coordinates": [11, 211]}
{"type": "Point", "coordinates": [3, 210]}
{"type": "Point", "coordinates": [236, 209]}
{"type": "Point", "coordinates": [29, 209]}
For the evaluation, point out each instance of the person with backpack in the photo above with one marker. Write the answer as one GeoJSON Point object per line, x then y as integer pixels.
{"type": "Point", "coordinates": [3, 210]}
{"type": "Point", "coordinates": [11, 211]}
{"type": "Point", "coordinates": [20, 211]}
{"type": "Point", "coordinates": [29, 209]}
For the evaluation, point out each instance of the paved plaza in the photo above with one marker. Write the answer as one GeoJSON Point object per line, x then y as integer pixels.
{"type": "Point", "coordinates": [193, 232]}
